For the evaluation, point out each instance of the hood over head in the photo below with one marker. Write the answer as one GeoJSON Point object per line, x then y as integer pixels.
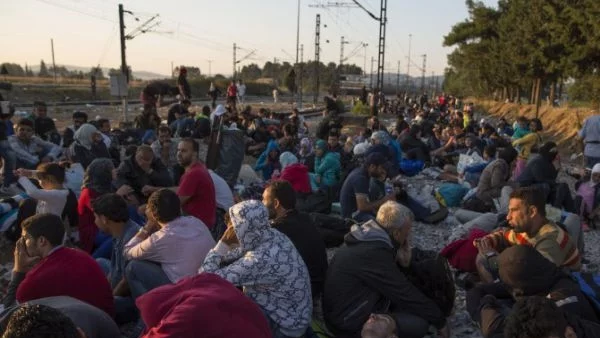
{"type": "Point", "coordinates": [286, 159]}
{"type": "Point", "coordinates": [369, 231]}
{"type": "Point", "coordinates": [250, 221]}
{"type": "Point", "coordinates": [84, 134]}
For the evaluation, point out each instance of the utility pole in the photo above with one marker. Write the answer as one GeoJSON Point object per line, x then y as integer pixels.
{"type": "Point", "coordinates": [372, 62]}
{"type": "Point", "coordinates": [381, 57]}
{"type": "Point", "coordinates": [408, 64]}
{"type": "Point", "coordinates": [317, 56]}
{"type": "Point", "coordinates": [398, 79]}
{"type": "Point", "coordinates": [53, 63]}
{"type": "Point", "coordinates": [209, 67]}
{"type": "Point", "coordinates": [124, 70]}
{"type": "Point", "coordinates": [172, 70]}
{"type": "Point", "coordinates": [365, 45]}
{"type": "Point", "coordinates": [234, 61]}
{"type": "Point", "coordinates": [300, 77]}
{"type": "Point", "coordinates": [382, 24]}
{"type": "Point", "coordinates": [342, 52]}
{"type": "Point", "coordinates": [298, 103]}
{"type": "Point", "coordinates": [423, 72]}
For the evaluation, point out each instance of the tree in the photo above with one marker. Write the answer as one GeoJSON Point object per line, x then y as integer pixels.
{"type": "Point", "coordinates": [12, 69]}
{"type": "Point", "coordinates": [43, 70]}
{"type": "Point", "coordinates": [250, 72]}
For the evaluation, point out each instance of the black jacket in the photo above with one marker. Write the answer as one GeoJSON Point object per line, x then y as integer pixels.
{"type": "Point", "coordinates": [524, 272]}
{"type": "Point", "coordinates": [309, 243]}
{"type": "Point", "coordinates": [363, 276]}
{"type": "Point", "coordinates": [130, 173]}
{"type": "Point", "coordinates": [538, 170]}
{"type": "Point", "coordinates": [80, 154]}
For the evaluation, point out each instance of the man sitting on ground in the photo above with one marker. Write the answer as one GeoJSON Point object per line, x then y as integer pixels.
{"type": "Point", "coordinates": [112, 217]}
{"type": "Point", "coordinates": [31, 150]}
{"type": "Point", "coordinates": [79, 118]}
{"type": "Point", "coordinates": [44, 125]}
{"type": "Point", "coordinates": [142, 174]}
{"type": "Point", "coordinates": [354, 196]}
{"type": "Point", "coordinates": [57, 317]}
{"type": "Point", "coordinates": [539, 317]}
{"type": "Point", "coordinates": [364, 278]}
{"type": "Point", "coordinates": [280, 199]}
{"type": "Point", "coordinates": [169, 247]}
{"type": "Point", "coordinates": [60, 271]}
{"type": "Point", "coordinates": [165, 149]}
{"type": "Point", "coordinates": [528, 226]}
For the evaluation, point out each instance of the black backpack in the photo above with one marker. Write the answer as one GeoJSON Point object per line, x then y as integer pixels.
{"type": "Point", "coordinates": [430, 273]}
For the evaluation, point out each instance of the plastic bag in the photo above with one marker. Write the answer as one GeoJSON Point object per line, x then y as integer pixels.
{"type": "Point", "coordinates": [466, 160]}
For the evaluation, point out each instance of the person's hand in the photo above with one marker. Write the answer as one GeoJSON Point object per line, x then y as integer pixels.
{"type": "Point", "coordinates": [151, 226]}
{"type": "Point", "coordinates": [444, 332]}
{"type": "Point", "coordinates": [124, 190]}
{"type": "Point", "coordinates": [404, 255]}
{"type": "Point", "coordinates": [46, 159]}
{"type": "Point", "coordinates": [229, 237]}
{"type": "Point", "coordinates": [148, 189]}
{"type": "Point", "coordinates": [23, 262]}
{"type": "Point", "coordinates": [484, 245]}
{"type": "Point", "coordinates": [23, 172]}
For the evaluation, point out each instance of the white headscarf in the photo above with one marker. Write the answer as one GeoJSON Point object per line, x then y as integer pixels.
{"type": "Point", "coordinates": [595, 170]}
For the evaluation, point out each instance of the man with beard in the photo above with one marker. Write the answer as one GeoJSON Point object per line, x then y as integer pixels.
{"type": "Point", "coordinates": [369, 275]}
{"type": "Point", "coordinates": [196, 190]}
{"type": "Point", "coordinates": [354, 196]}
{"type": "Point", "coordinates": [528, 226]}
{"type": "Point", "coordinates": [280, 199]}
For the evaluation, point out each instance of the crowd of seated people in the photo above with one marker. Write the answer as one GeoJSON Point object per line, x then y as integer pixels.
{"type": "Point", "coordinates": [165, 245]}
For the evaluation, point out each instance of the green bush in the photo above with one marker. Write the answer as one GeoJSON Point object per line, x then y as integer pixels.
{"type": "Point", "coordinates": [360, 109]}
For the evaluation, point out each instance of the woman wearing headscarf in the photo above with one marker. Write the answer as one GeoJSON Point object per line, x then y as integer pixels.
{"type": "Point", "coordinates": [295, 173]}
{"type": "Point", "coordinates": [268, 161]}
{"type": "Point", "coordinates": [524, 272]}
{"type": "Point", "coordinates": [327, 167]}
{"type": "Point", "coordinates": [306, 154]}
{"type": "Point", "coordinates": [96, 182]}
{"type": "Point", "coordinates": [88, 145]}
{"type": "Point", "coordinates": [525, 144]}
{"type": "Point", "coordinates": [587, 199]}
{"type": "Point", "coordinates": [264, 262]}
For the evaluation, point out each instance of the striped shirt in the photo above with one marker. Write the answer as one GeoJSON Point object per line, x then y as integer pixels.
{"type": "Point", "coordinates": [551, 241]}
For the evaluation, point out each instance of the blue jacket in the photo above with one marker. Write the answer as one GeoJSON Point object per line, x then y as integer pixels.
{"type": "Point", "coordinates": [328, 167]}
{"type": "Point", "coordinates": [263, 164]}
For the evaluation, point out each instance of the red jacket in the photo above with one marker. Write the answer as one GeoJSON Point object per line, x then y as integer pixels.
{"type": "Point", "coordinates": [297, 175]}
{"type": "Point", "coordinates": [204, 305]}
{"type": "Point", "coordinates": [68, 272]}
{"type": "Point", "coordinates": [87, 223]}
{"type": "Point", "coordinates": [461, 254]}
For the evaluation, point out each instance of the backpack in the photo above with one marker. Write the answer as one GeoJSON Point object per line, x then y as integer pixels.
{"type": "Point", "coordinates": [589, 284]}
{"type": "Point", "coordinates": [431, 274]}
{"type": "Point", "coordinates": [332, 228]}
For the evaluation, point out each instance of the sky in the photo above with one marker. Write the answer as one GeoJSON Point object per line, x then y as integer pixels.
{"type": "Point", "coordinates": [201, 33]}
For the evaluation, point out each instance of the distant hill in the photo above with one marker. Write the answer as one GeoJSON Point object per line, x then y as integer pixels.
{"type": "Point", "coordinates": [141, 74]}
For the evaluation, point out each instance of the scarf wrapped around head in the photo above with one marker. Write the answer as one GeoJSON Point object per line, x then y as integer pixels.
{"type": "Point", "coordinates": [84, 134]}
{"type": "Point", "coordinates": [322, 145]}
{"type": "Point", "coordinates": [595, 170]}
{"type": "Point", "coordinates": [286, 159]}
{"type": "Point", "coordinates": [98, 176]}
{"type": "Point", "coordinates": [305, 147]}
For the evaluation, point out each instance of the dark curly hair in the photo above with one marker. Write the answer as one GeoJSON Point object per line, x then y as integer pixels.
{"type": "Point", "coordinates": [535, 317]}
{"type": "Point", "coordinates": [40, 321]}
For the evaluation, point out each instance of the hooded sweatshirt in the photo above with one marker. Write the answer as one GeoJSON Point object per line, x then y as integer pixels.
{"type": "Point", "coordinates": [203, 302]}
{"type": "Point", "coordinates": [362, 276]}
{"type": "Point", "coordinates": [267, 266]}
{"type": "Point", "coordinates": [265, 163]}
